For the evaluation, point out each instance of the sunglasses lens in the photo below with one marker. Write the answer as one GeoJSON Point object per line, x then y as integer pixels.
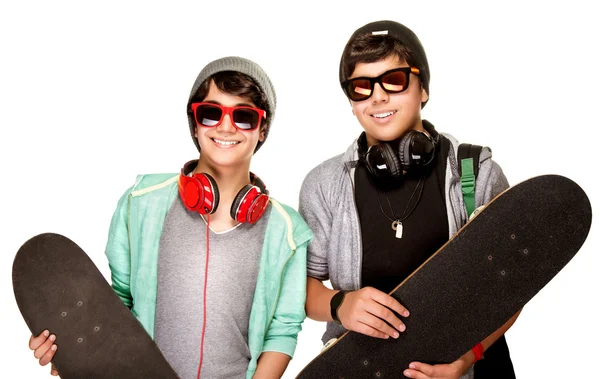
{"type": "Point", "coordinates": [245, 119]}
{"type": "Point", "coordinates": [359, 89]}
{"type": "Point", "coordinates": [208, 115]}
{"type": "Point", "coordinates": [395, 82]}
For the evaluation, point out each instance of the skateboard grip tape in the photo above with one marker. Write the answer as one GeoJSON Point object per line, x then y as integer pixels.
{"type": "Point", "coordinates": [474, 283]}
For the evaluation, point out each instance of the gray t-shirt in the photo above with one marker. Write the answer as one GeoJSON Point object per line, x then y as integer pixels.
{"type": "Point", "coordinates": [233, 264]}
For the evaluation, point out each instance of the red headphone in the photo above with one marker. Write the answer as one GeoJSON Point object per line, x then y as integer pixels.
{"type": "Point", "coordinates": [200, 193]}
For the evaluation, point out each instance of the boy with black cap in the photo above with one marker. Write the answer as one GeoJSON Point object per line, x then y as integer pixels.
{"type": "Point", "coordinates": [385, 206]}
{"type": "Point", "coordinates": [229, 308]}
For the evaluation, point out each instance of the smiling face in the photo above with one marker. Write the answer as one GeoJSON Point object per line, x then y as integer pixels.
{"type": "Point", "coordinates": [224, 145]}
{"type": "Point", "coordinates": [385, 116]}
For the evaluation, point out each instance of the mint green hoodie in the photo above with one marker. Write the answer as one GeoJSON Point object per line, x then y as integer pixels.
{"type": "Point", "coordinates": [278, 305]}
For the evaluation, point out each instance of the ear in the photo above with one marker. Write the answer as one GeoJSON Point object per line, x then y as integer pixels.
{"type": "Point", "coordinates": [424, 95]}
{"type": "Point", "coordinates": [196, 132]}
{"type": "Point", "coordinates": [261, 136]}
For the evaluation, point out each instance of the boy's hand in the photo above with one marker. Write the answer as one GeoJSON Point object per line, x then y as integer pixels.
{"type": "Point", "coordinates": [367, 310]}
{"type": "Point", "coordinates": [452, 370]}
{"type": "Point", "coordinates": [43, 347]}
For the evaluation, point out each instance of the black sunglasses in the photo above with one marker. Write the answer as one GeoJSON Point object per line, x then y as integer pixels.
{"type": "Point", "coordinates": [392, 81]}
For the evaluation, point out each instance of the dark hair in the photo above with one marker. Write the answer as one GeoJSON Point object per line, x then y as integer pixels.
{"type": "Point", "coordinates": [369, 48]}
{"type": "Point", "coordinates": [237, 84]}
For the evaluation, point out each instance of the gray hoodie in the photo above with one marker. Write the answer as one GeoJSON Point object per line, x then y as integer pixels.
{"type": "Point", "coordinates": [328, 205]}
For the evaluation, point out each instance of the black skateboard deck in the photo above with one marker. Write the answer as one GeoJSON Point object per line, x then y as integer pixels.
{"type": "Point", "coordinates": [58, 287]}
{"type": "Point", "coordinates": [474, 283]}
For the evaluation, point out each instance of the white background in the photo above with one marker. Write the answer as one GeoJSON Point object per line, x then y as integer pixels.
{"type": "Point", "coordinates": [92, 94]}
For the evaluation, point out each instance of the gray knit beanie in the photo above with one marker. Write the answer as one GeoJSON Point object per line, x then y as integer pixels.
{"type": "Point", "coordinates": [406, 37]}
{"type": "Point", "coordinates": [245, 66]}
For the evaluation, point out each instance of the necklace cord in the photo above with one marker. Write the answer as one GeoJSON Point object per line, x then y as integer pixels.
{"type": "Point", "coordinates": [403, 217]}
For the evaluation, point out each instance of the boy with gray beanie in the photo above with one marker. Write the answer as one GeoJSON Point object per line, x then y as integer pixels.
{"type": "Point", "coordinates": [211, 265]}
{"type": "Point", "coordinates": [382, 208]}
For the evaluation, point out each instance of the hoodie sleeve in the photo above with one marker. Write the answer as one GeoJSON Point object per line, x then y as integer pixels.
{"type": "Point", "coordinates": [282, 335]}
{"type": "Point", "coordinates": [117, 250]}
{"type": "Point", "coordinates": [491, 180]}
{"type": "Point", "coordinates": [314, 208]}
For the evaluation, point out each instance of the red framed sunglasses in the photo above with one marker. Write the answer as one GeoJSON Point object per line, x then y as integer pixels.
{"type": "Point", "coordinates": [392, 81]}
{"type": "Point", "coordinates": [242, 117]}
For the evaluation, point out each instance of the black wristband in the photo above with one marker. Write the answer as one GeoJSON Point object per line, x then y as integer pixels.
{"type": "Point", "coordinates": [335, 303]}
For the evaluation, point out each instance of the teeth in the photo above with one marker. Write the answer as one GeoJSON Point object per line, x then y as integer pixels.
{"type": "Point", "coordinates": [225, 143]}
{"type": "Point", "coordinates": [382, 115]}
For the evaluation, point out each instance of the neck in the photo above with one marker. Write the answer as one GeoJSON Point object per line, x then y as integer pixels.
{"type": "Point", "coordinates": [229, 180]}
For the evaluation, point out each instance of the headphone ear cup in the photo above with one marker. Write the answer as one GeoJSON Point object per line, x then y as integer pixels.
{"type": "Point", "coordinates": [199, 193]}
{"type": "Point", "coordinates": [212, 189]}
{"type": "Point", "coordinates": [382, 162]}
{"type": "Point", "coordinates": [393, 163]}
{"type": "Point", "coordinates": [404, 148]}
{"type": "Point", "coordinates": [416, 149]}
{"type": "Point", "coordinates": [249, 204]}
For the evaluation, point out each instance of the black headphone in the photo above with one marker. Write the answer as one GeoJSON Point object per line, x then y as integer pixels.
{"type": "Point", "coordinates": [413, 151]}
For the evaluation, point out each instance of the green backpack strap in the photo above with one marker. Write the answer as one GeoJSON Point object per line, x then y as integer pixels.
{"type": "Point", "coordinates": [468, 168]}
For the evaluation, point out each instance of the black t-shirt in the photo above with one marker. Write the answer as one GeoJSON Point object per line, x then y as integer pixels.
{"type": "Point", "coordinates": [388, 260]}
